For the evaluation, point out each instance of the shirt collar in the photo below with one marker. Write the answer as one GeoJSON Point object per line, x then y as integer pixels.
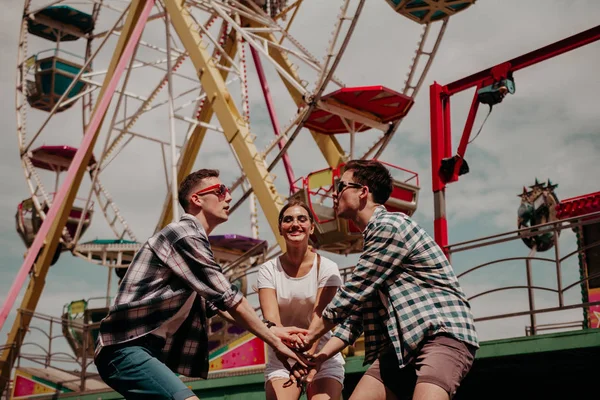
{"type": "Point", "coordinates": [376, 213]}
{"type": "Point", "coordinates": [194, 220]}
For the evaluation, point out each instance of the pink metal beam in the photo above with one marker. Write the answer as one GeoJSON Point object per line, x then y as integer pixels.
{"type": "Point", "coordinates": [86, 143]}
{"type": "Point", "coordinates": [276, 129]}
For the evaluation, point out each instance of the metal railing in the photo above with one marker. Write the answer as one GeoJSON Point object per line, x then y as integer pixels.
{"type": "Point", "coordinates": [557, 261]}
{"type": "Point", "coordinates": [42, 339]}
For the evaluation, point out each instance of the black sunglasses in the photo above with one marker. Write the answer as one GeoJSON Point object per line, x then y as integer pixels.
{"type": "Point", "coordinates": [341, 185]}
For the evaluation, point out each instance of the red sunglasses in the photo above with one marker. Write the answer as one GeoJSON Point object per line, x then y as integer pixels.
{"type": "Point", "coordinates": [219, 189]}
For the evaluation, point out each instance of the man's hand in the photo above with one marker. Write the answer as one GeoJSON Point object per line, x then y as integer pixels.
{"type": "Point", "coordinates": [283, 353]}
{"type": "Point", "coordinates": [292, 336]}
{"type": "Point", "coordinates": [308, 342]}
{"type": "Point", "coordinates": [300, 375]}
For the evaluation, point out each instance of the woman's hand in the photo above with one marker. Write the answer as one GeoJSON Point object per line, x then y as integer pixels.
{"type": "Point", "coordinates": [283, 353]}
{"type": "Point", "coordinates": [292, 336]}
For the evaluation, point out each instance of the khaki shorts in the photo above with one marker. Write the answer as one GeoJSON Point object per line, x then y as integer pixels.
{"type": "Point", "coordinates": [442, 361]}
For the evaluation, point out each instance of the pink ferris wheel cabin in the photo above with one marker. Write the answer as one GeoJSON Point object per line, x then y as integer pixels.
{"type": "Point", "coordinates": [55, 158]}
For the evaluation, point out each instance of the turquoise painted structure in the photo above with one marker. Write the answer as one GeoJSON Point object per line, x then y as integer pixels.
{"type": "Point", "coordinates": [53, 75]}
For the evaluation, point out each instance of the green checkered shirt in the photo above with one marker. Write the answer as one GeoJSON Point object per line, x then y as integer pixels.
{"type": "Point", "coordinates": [402, 291]}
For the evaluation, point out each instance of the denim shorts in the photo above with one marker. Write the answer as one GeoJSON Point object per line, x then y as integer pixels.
{"type": "Point", "coordinates": [135, 371]}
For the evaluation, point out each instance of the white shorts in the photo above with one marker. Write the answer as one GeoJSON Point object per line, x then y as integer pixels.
{"type": "Point", "coordinates": [332, 368]}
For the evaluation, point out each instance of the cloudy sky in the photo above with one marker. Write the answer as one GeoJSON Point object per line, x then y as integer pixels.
{"type": "Point", "coordinates": [547, 129]}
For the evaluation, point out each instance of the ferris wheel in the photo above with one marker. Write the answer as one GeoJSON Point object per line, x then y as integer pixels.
{"type": "Point", "coordinates": [189, 79]}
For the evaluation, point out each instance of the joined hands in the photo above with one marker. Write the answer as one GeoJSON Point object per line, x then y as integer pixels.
{"type": "Point", "coordinates": [300, 342]}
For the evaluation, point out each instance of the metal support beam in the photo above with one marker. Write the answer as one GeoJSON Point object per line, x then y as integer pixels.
{"type": "Point", "coordinates": [236, 130]}
{"type": "Point", "coordinates": [272, 115]}
{"type": "Point", "coordinates": [190, 151]}
{"type": "Point", "coordinates": [438, 144]}
{"type": "Point", "coordinates": [45, 244]}
{"type": "Point", "coordinates": [328, 144]}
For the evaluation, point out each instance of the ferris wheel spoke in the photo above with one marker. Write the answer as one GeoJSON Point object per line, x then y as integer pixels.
{"type": "Point", "coordinates": [108, 6]}
{"type": "Point", "coordinates": [334, 54]}
{"type": "Point", "coordinates": [197, 122]}
{"type": "Point", "coordinates": [105, 201]}
{"type": "Point", "coordinates": [282, 138]}
{"type": "Point", "coordinates": [117, 31]}
{"type": "Point", "coordinates": [40, 207]}
{"type": "Point", "coordinates": [305, 113]}
{"type": "Point", "coordinates": [145, 106]}
{"type": "Point", "coordinates": [126, 93]}
{"type": "Point", "coordinates": [412, 89]}
{"type": "Point", "coordinates": [134, 118]}
{"type": "Point", "coordinates": [233, 7]}
{"type": "Point", "coordinates": [156, 105]}
{"type": "Point", "coordinates": [31, 172]}
{"type": "Point", "coordinates": [216, 44]}
{"type": "Point", "coordinates": [250, 40]}
{"type": "Point", "coordinates": [308, 60]}
{"type": "Point", "coordinates": [77, 97]}
{"type": "Point", "coordinates": [266, 35]}
{"type": "Point", "coordinates": [199, 125]}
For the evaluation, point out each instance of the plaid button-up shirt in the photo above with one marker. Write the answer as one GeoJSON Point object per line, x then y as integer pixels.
{"type": "Point", "coordinates": [402, 291]}
{"type": "Point", "coordinates": [169, 267]}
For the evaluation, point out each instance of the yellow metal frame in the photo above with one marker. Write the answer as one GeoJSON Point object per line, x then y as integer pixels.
{"type": "Point", "coordinates": [235, 128]}
{"type": "Point", "coordinates": [40, 269]}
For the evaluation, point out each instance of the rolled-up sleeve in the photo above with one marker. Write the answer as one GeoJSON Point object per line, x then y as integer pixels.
{"type": "Point", "coordinates": [349, 330]}
{"type": "Point", "coordinates": [383, 248]}
{"type": "Point", "coordinates": [192, 260]}
{"type": "Point", "coordinates": [211, 310]}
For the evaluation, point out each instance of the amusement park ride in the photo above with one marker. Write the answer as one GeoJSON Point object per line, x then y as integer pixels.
{"type": "Point", "coordinates": [201, 70]}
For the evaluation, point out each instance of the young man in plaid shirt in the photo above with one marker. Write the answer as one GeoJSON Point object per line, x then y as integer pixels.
{"type": "Point", "coordinates": [173, 285]}
{"type": "Point", "coordinates": [404, 296]}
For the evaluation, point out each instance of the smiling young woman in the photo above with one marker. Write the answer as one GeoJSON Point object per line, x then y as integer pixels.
{"type": "Point", "coordinates": [293, 289]}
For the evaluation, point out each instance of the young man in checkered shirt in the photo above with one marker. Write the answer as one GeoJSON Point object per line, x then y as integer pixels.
{"type": "Point", "coordinates": [157, 325]}
{"type": "Point", "coordinates": [403, 294]}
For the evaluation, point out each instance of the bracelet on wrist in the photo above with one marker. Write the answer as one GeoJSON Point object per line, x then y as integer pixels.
{"type": "Point", "coordinates": [269, 323]}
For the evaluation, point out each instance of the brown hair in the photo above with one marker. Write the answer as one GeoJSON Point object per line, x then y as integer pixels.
{"type": "Point", "coordinates": [192, 181]}
{"type": "Point", "coordinates": [294, 203]}
{"type": "Point", "coordinates": [375, 176]}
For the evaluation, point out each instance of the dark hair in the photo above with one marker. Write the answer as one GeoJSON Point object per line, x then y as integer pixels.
{"type": "Point", "coordinates": [192, 181]}
{"type": "Point", "coordinates": [294, 203]}
{"type": "Point", "coordinates": [373, 175]}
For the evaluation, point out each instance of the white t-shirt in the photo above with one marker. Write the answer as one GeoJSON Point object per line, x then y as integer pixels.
{"type": "Point", "coordinates": [296, 296]}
